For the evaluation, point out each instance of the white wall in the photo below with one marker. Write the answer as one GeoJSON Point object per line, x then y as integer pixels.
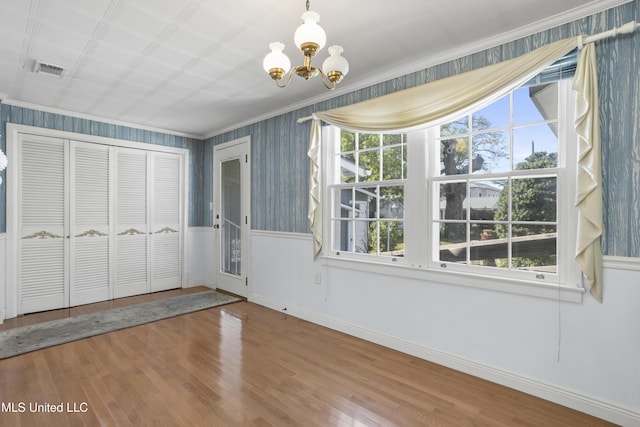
{"type": "Point", "coordinates": [200, 256]}
{"type": "Point", "coordinates": [580, 355]}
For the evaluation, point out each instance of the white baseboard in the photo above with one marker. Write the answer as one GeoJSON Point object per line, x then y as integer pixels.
{"type": "Point", "coordinates": [553, 393]}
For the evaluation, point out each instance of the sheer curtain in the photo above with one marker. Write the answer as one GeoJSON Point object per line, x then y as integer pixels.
{"type": "Point", "coordinates": [446, 99]}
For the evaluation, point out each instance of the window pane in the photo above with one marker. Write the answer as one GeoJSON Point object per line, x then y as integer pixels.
{"type": "Point", "coordinates": [368, 140]}
{"type": "Point", "coordinates": [453, 249]}
{"type": "Point", "coordinates": [394, 163]}
{"type": "Point", "coordinates": [392, 238]}
{"type": "Point", "coordinates": [344, 235]}
{"type": "Point", "coordinates": [493, 116]}
{"type": "Point", "coordinates": [534, 199]}
{"type": "Point", "coordinates": [365, 237]}
{"type": "Point", "coordinates": [452, 196]}
{"type": "Point", "coordinates": [367, 202]}
{"type": "Point", "coordinates": [405, 163]}
{"type": "Point", "coordinates": [534, 248]}
{"type": "Point", "coordinates": [395, 139]}
{"type": "Point", "coordinates": [490, 152]}
{"type": "Point", "coordinates": [484, 199]}
{"type": "Point", "coordinates": [346, 203]}
{"type": "Point", "coordinates": [485, 245]}
{"type": "Point", "coordinates": [535, 147]}
{"type": "Point", "coordinates": [347, 141]}
{"type": "Point", "coordinates": [454, 156]}
{"type": "Point", "coordinates": [457, 127]}
{"type": "Point", "coordinates": [347, 168]}
{"type": "Point", "coordinates": [392, 202]}
{"type": "Point", "coordinates": [369, 166]}
{"type": "Point", "coordinates": [535, 103]}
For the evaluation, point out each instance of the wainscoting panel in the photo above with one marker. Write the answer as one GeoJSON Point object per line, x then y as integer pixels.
{"type": "Point", "coordinates": [201, 253]}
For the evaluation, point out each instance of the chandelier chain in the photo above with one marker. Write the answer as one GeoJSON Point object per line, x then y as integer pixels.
{"type": "Point", "coordinates": [308, 4]}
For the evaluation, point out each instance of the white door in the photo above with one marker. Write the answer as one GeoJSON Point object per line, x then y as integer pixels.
{"type": "Point", "coordinates": [42, 248]}
{"type": "Point", "coordinates": [89, 223]}
{"type": "Point", "coordinates": [132, 255]}
{"type": "Point", "coordinates": [166, 221]}
{"type": "Point", "coordinates": [231, 215]}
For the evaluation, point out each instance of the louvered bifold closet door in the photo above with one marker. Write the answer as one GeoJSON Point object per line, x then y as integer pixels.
{"type": "Point", "coordinates": [90, 279]}
{"type": "Point", "coordinates": [132, 217]}
{"type": "Point", "coordinates": [41, 211]}
{"type": "Point", "coordinates": [166, 226]}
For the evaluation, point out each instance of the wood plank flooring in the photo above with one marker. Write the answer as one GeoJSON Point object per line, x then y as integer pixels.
{"type": "Point", "coordinates": [243, 364]}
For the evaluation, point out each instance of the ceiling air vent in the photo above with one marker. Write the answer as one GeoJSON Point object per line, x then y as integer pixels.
{"type": "Point", "coordinates": [49, 69]}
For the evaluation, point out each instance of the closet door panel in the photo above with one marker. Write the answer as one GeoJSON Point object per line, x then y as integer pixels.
{"type": "Point", "coordinates": [132, 216]}
{"type": "Point", "coordinates": [166, 215]}
{"type": "Point", "coordinates": [90, 200]}
{"type": "Point", "coordinates": [41, 211]}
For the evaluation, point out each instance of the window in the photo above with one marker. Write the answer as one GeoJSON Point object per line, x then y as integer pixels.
{"type": "Point", "coordinates": [509, 150]}
{"type": "Point", "coordinates": [489, 194]}
{"type": "Point", "coordinates": [368, 213]}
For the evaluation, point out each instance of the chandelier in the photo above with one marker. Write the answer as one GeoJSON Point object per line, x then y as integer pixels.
{"type": "Point", "coordinates": [310, 38]}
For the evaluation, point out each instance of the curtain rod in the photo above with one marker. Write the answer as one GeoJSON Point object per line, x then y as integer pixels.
{"type": "Point", "coordinates": [304, 119]}
{"type": "Point", "coordinates": [627, 28]}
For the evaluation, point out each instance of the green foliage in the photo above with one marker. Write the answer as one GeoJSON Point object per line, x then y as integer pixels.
{"type": "Point", "coordinates": [391, 236]}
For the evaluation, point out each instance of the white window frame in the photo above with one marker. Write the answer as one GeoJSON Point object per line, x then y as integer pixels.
{"type": "Point", "coordinates": [420, 260]}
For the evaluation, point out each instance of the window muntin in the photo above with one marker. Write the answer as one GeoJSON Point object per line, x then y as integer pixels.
{"type": "Point", "coordinates": [513, 145]}
{"type": "Point", "coordinates": [368, 197]}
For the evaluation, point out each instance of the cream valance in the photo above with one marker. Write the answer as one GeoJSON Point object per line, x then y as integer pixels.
{"type": "Point", "coordinates": [448, 98]}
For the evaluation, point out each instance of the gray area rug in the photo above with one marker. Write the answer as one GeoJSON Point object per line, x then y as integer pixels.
{"type": "Point", "coordinates": [35, 337]}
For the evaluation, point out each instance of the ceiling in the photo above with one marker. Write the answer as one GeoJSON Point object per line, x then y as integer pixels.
{"type": "Point", "coordinates": [194, 67]}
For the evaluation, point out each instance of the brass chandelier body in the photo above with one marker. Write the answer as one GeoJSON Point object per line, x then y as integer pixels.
{"type": "Point", "coordinates": [310, 39]}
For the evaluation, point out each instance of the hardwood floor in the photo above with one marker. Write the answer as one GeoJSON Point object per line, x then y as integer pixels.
{"type": "Point", "coordinates": [243, 364]}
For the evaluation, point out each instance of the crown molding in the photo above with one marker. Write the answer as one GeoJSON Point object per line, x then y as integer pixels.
{"type": "Point", "coordinates": [100, 119]}
{"type": "Point", "coordinates": [408, 67]}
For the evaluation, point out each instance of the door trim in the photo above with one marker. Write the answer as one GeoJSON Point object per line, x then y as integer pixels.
{"type": "Point", "coordinates": [245, 144]}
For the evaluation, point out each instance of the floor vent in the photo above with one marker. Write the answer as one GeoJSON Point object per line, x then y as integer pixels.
{"type": "Point", "coordinates": [50, 69]}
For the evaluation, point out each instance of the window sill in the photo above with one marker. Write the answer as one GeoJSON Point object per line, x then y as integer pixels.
{"type": "Point", "coordinates": [500, 284]}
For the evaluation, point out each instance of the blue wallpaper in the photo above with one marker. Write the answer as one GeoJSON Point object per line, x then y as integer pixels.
{"type": "Point", "coordinates": [279, 145]}
{"type": "Point", "coordinates": [31, 117]}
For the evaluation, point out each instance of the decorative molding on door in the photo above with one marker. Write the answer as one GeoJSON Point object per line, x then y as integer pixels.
{"type": "Point", "coordinates": [91, 233]}
{"type": "Point", "coordinates": [166, 230]}
{"type": "Point", "coordinates": [43, 235]}
{"type": "Point", "coordinates": [131, 232]}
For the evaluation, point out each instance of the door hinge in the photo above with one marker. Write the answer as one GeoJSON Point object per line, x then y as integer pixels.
{"type": "Point", "coordinates": [246, 220]}
{"type": "Point", "coordinates": [246, 158]}
{"type": "Point", "coordinates": [246, 281]}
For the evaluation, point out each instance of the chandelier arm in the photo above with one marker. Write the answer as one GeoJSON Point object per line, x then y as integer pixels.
{"type": "Point", "coordinates": [325, 80]}
{"type": "Point", "coordinates": [289, 75]}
